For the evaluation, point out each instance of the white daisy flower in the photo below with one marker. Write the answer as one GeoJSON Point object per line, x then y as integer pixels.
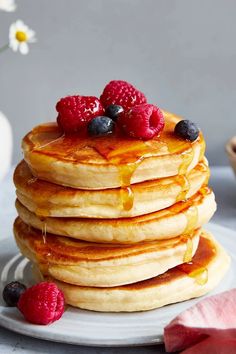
{"type": "Point", "coordinates": [7, 5]}
{"type": "Point", "coordinates": [19, 37]}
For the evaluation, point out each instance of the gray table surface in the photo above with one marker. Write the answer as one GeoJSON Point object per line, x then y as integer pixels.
{"type": "Point", "coordinates": [224, 185]}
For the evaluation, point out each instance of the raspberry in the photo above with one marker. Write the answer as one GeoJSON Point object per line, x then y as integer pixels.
{"type": "Point", "coordinates": [42, 303]}
{"type": "Point", "coordinates": [122, 93]}
{"type": "Point", "coordinates": [143, 121]}
{"type": "Point", "coordinates": [74, 112]}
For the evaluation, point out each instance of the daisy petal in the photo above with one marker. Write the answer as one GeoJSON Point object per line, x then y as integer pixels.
{"type": "Point", "coordinates": [14, 45]}
{"type": "Point", "coordinates": [32, 40]}
{"type": "Point", "coordinates": [12, 29]}
{"type": "Point", "coordinates": [24, 28]}
{"type": "Point", "coordinates": [19, 24]}
{"type": "Point", "coordinates": [31, 34]}
{"type": "Point", "coordinates": [24, 48]}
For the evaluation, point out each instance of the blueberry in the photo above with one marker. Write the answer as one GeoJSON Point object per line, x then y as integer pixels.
{"type": "Point", "coordinates": [187, 130]}
{"type": "Point", "coordinates": [113, 111]}
{"type": "Point", "coordinates": [12, 292]}
{"type": "Point", "coordinates": [100, 125]}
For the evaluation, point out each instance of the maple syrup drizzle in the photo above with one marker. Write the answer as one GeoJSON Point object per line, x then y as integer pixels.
{"type": "Point", "coordinates": [200, 275]}
{"type": "Point", "coordinates": [202, 148]}
{"type": "Point", "coordinates": [188, 255]}
{"type": "Point", "coordinates": [184, 184]}
{"type": "Point", "coordinates": [127, 198]}
{"type": "Point", "coordinates": [126, 192]}
{"type": "Point", "coordinates": [204, 191]}
{"type": "Point", "coordinates": [42, 212]}
{"type": "Point", "coordinates": [43, 259]}
{"type": "Point", "coordinates": [49, 140]}
{"type": "Point", "coordinates": [187, 158]}
{"type": "Point", "coordinates": [123, 152]}
{"type": "Point", "coordinates": [44, 231]}
{"type": "Point", "coordinates": [202, 167]}
{"type": "Point", "coordinates": [192, 218]}
{"type": "Point", "coordinates": [196, 271]}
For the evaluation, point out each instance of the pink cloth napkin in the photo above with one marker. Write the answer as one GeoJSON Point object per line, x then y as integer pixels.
{"type": "Point", "coordinates": [207, 327]}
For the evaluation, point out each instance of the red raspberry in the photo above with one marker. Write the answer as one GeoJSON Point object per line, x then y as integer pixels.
{"type": "Point", "coordinates": [121, 93]}
{"type": "Point", "coordinates": [42, 303]}
{"type": "Point", "coordinates": [74, 112]}
{"type": "Point", "coordinates": [143, 121]}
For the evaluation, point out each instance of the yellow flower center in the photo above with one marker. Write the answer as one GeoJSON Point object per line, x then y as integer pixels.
{"type": "Point", "coordinates": [21, 36]}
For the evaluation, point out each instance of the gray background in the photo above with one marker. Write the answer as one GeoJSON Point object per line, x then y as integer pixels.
{"type": "Point", "coordinates": [181, 53]}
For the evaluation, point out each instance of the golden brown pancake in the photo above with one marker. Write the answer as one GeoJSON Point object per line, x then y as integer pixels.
{"type": "Point", "coordinates": [181, 283]}
{"type": "Point", "coordinates": [112, 161]}
{"type": "Point", "coordinates": [49, 199]}
{"type": "Point", "coordinates": [183, 217]}
{"type": "Point", "coordinates": [102, 265]}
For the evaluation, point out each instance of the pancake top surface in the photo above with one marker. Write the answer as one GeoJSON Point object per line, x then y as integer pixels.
{"type": "Point", "coordinates": [116, 148]}
{"type": "Point", "coordinates": [62, 250]}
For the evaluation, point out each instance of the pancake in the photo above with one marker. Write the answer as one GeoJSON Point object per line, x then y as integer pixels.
{"type": "Point", "coordinates": [112, 161]}
{"type": "Point", "coordinates": [49, 199]}
{"type": "Point", "coordinates": [183, 217]}
{"type": "Point", "coordinates": [181, 283]}
{"type": "Point", "coordinates": [102, 265]}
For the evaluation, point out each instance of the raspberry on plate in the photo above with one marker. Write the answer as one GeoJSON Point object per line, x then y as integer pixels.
{"type": "Point", "coordinates": [143, 121]}
{"type": "Point", "coordinates": [42, 304]}
{"type": "Point", "coordinates": [122, 93]}
{"type": "Point", "coordinates": [74, 112]}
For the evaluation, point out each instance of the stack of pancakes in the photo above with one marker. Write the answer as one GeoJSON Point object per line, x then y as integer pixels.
{"type": "Point", "coordinates": [116, 222]}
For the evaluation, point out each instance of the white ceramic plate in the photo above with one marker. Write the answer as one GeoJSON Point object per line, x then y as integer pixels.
{"type": "Point", "coordinates": [93, 328]}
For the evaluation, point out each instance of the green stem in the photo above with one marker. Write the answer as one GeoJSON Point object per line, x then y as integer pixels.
{"type": "Point", "coordinates": [5, 47]}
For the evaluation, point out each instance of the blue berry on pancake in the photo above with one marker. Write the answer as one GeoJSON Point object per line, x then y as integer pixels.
{"type": "Point", "coordinates": [187, 130]}
{"type": "Point", "coordinates": [100, 126]}
{"type": "Point", "coordinates": [113, 111]}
